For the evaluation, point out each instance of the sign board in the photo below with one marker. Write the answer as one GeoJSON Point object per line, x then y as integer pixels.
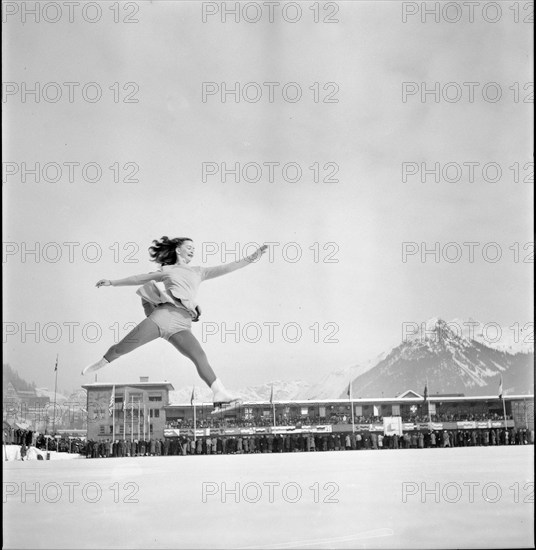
{"type": "Point", "coordinates": [392, 425]}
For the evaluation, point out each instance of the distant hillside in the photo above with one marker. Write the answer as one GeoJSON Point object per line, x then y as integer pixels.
{"type": "Point", "coordinates": [10, 375]}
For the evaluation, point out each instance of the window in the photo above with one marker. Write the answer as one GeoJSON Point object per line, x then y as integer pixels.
{"type": "Point", "coordinates": [102, 430]}
{"type": "Point", "coordinates": [157, 413]}
{"type": "Point", "coordinates": [135, 398]}
{"type": "Point", "coordinates": [155, 397]}
{"type": "Point", "coordinates": [111, 429]}
{"type": "Point", "coordinates": [396, 410]}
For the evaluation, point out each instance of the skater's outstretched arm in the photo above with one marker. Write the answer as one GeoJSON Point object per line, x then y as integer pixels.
{"type": "Point", "coordinates": [218, 271]}
{"type": "Point", "coordinates": [135, 280]}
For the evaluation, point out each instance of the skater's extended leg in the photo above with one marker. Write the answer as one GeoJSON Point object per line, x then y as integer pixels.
{"type": "Point", "coordinates": [189, 346]}
{"type": "Point", "coordinates": [145, 332]}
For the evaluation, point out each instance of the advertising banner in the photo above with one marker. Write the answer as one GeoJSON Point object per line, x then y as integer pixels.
{"type": "Point", "coordinates": [392, 425]}
{"type": "Point", "coordinates": [466, 425]}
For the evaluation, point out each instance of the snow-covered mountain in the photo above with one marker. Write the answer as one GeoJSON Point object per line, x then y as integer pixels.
{"type": "Point", "coordinates": [516, 338]}
{"type": "Point", "coordinates": [438, 352]}
{"type": "Point", "coordinates": [334, 383]}
{"type": "Point", "coordinates": [284, 390]}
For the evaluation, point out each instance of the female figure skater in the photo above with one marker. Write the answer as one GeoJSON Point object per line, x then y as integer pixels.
{"type": "Point", "coordinates": [170, 312]}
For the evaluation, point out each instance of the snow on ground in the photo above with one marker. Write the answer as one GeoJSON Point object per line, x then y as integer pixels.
{"type": "Point", "coordinates": [472, 497]}
{"type": "Point", "coordinates": [13, 452]}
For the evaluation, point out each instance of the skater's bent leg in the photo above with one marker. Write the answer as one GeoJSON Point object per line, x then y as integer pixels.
{"type": "Point", "coordinates": [189, 346]}
{"type": "Point", "coordinates": [144, 333]}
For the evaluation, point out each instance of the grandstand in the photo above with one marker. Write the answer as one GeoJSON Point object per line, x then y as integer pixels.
{"type": "Point", "coordinates": [437, 412]}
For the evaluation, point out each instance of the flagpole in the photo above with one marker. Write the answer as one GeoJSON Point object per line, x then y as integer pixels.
{"type": "Point", "coordinates": [144, 421]}
{"type": "Point", "coordinates": [501, 396]}
{"type": "Point", "coordinates": [131, 418]}
{"type": "Point", "coordinates": [273, 405]}
{"type": "Point", "coordinates": [55, 389]}
{"type": "Point", "coordinates": [352, 409]}
{"type": "Point", "coordinates": [125, 415]}
{"type": "Point", "coordinates": [428, 401]}
{"type": "Point", "coordinates": [113, 417]}
{"type": "Point", "coordinates": [149, 425]}
{"type": "Point", "coordinates": [193, 403]}
{"type": "Point", "coordinates": [139, 407]}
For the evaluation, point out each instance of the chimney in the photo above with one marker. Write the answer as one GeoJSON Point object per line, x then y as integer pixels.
{"type": "Point", "coordinates": [144, 379]}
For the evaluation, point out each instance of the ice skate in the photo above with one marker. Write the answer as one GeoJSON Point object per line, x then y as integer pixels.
{"type": "Point", "coordinates": [222, 398]}
{"type": "Point", "coordinates": [95, 366]}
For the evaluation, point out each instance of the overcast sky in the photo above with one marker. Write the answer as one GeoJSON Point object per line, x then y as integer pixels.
{"type": "Point", "coordinates": [363, 295]}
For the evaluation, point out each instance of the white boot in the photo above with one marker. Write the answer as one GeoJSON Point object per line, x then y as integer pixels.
{"type": "Point", "coordinates": [96, 366]}
{"type": "Point", "coordinates": [221, 395]}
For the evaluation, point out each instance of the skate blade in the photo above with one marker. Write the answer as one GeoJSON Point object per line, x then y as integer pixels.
{"type": "Point", "coordinates": [225, 406]}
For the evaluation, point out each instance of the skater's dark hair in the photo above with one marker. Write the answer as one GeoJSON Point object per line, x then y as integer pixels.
{"type": "Point", "coordinates": [164, 252]}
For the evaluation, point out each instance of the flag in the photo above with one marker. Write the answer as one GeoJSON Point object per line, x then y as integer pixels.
{"type": "Point", "coordinates": [272, 394]}
{"type": "Point", "coordinates": [193, 396]}
{"type": "Point", "coordinates": [125, 399]}
{"type": "Point", "coordinates": [349, 392]}
{"type": "Point", "coordinates": [426, 392]}
{"type": "Point", "coordinates": [500, 388]}
{"type": "Point", "coordinates": [112, 402]}
{"type": "Point", "coordinates": [56, 366]}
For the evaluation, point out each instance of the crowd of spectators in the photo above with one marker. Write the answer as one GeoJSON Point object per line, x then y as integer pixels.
{"type": "Point", "coordinates": [23, 437]}
{"type": "Point", "coordinates": [260, 421]}
{"type": "Point", "coordinates": [307, 442]}
{"type": "Point", "coordinates": [125, 447]}
{"type": "Point", "coordinates": [458, 417]}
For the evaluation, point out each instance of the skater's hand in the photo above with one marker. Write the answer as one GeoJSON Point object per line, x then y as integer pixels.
{"type": "Point", "coordinates": [258, 253]}
{"type": "Point", "coordinates": [103, 282]}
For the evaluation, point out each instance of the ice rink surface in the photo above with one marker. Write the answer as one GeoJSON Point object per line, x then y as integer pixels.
{"type": "Point", "coordinates": [472, 497]}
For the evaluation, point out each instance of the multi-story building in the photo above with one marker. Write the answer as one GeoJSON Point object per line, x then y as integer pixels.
{"type": "Point", "coordinates": [127, 411]}
{"type": "Point", "coordinates": [25, 406]}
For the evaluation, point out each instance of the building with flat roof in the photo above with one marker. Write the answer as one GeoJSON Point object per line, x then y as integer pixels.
{"type": "Point", "coordinates": [452, 411]}
{"type": "Point", "coordinates": [131, 411]}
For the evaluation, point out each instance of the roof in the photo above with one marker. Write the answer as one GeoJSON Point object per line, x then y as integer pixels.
{"type": "Point", "coordinates": [371, 400]}
{"type": "Point", "coordinates": [143, 385]}
{"type": "Point", "coordinates": [410, 393]}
